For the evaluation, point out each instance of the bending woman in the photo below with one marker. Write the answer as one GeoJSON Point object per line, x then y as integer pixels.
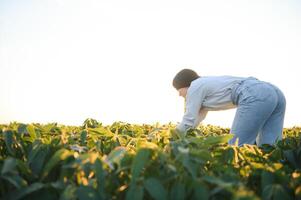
{"type": "Point", "coordinates": [260, 105]}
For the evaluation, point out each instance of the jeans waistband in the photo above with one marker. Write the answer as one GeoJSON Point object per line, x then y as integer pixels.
{"type": "Point", "coordinates": [236, 89]}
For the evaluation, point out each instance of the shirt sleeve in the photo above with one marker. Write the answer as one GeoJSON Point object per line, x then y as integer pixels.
{"type": "Point", "coordinates": [194, 114]}
{"type": "Point", "coordinates": [202, 115]}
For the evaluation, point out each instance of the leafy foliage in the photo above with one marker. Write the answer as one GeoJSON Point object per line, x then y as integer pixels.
{"type": "Point", "coordinates": [128, 161]}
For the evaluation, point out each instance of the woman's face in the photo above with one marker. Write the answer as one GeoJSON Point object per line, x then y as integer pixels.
{"type": "Point", "coordinates": [183, 92]}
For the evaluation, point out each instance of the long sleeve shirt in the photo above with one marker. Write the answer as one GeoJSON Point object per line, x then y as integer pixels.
{"type": "Point", "coordinates": [207, 93]}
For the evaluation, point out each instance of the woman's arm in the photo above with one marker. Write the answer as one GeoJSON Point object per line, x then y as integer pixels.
{"type": "Point", "coordinates": [192, 116]}
{"type": "Point", "coordinates": [202, 115]}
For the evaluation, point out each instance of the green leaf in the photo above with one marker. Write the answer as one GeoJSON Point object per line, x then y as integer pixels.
{"type": "Point", "coordinates": [100, 177]}
{"type": "Point", "coordinates": [230, 155]}
{"type": "Point", "coordinates": [86, 193]}
{"type": "Point", "coordinates": [176, 134]}
{"type": "Point", "coordinates": [201, 154]}
{"type": "Point", "coordinates": [12, 167]}
{"type": "Point", "coordinates": [69, 193]}
{"type": "Point", "coordinates": [267, 178]}
{"type": "Point", "coordinates": [190, 166]}
{"type": "Point", "coordinates": [8, 138]}
{"type": "Point", "coordinates": [298, 192]}
{"type": "Point", "coordinates": [37, 157]}
{"type": "Point", "coordinates": [218, 181]}
{"type": "Point", "coordinates": [291, 157]}
{"type": "Point", "coordinates": [83, 137]}
{"type": "Point", "coordinates": [196, 140]}
{"type": "Point", "coordinates": [21, 193]}
{"type": "Point", "coordinates": [155, 189]}
{"type": "Point", "coordinates": [101, 131]}
{"type": "Point", "coordinates": [58, 185]}
{"type": "Point", "coordinates": [146, 144]}
{"type": "Point", "coordinates": [15, 180]}
{"type": "Point", "coordinates": [59, 155]}
{"type": "Point", "coordinates": [135, 192]}
{"type": "Point", "coordinates": [276, 154]}
{"type": "Point", "coordinates": [200, 192]}
{"type": "Point", "coordinates": [24, 169]}
{"type": "Point", "coordinates": [275, 192]}
{"type": "Point", "coordinates": [90, 123]}
{"type": "Point", "coordinates": [32, 132]}
{"type": "Point", "coordinates": [22, 128]}
{"type": "Point", "coordinates": [9, 165]}
{"type": "Point", "coordinates": [139, 162]}
{"type": "Point", "coordinates": [49, 127]}
{"type": "Point", "coordinates": [177, 192]}
{"type": "Point", "coordinates": [115, 156]}
{"type": "Point", "coordinates": [211, 140]}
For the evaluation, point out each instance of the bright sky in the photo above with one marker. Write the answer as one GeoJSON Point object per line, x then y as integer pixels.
{"type": "Point", "coordinates": [114, 60]}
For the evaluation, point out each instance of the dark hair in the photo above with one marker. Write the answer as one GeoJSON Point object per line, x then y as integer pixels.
{"type": "Point", "coordinates": [184, 78]}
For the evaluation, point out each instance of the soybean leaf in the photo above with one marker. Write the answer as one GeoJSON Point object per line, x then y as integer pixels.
{"type": "Point", "coordinates": [267, 178]}
{"type": "Point", "coordinates": [115, 156]}
{"type": "Point", "coordinates": [218, 181]}
{"type": "Point", "coordinates": [275, 192]}
{"type": "Point", "coordinates": [201, 154]}
{"type": "Point", "coordinates": [100, 177]}
{"type": "Point", "coordinates": [211, 140]}
{"type": "Point", "coordinates": [86, 193]}
{"type": "Point", "coordinates": [21, 193]}
{"type": "Point", "coordinates": [101, 131]}
{"type": "Point", "coordinates": [155, 189]}
{"type": "Point", "coordinates": [32, 132]}
{"type": "Point", "coordinates": [135, 192]}
{"type": "Point", "coordinates": [83, 137]}
{"type": "Point", "coordinates": [69, 193]}
{"type": "Point", "coordinates": [291, 157]}
{"type": "Point", "coordinates": [22, 129]}
{"type": "Point", "coordinates": [8, 138]}
{"type": "Point", "coordinates": [15, 180]}
{"type": "Point", "coordinates": [139, 162]}
{"type": "Point", "coordinates": [177, 192]}
{"type": "Point", "coordinates": [59, 155]}
{"type": "Point", "coordinates": [200, 192]}
{"type": "Point", "coordinates": [190, 166]}
{"type": "Point", "coordinates": [37, 157]}
{"type": "Point", "coordinates": [9, 165]}
{"type": "Point", "coordinates": [24, 169]}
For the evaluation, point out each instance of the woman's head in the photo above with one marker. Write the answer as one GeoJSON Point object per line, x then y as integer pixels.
{"type": "Point", "coordinates": [184, 78]}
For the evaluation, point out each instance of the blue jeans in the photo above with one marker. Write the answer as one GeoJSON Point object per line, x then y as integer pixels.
{"type": "Point", "coordinates": [260, 112]}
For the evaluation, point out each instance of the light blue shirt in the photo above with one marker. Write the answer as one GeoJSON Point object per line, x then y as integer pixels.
{"type": "Point", "coordinates": [205, 94]}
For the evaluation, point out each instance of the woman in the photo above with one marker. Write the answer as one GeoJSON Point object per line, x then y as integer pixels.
{"type": "Point", "coordinates": [260, 105]}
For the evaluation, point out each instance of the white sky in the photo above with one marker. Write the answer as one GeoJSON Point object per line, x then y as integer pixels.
{"type": "Point", "coordinates": [66, 60]}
